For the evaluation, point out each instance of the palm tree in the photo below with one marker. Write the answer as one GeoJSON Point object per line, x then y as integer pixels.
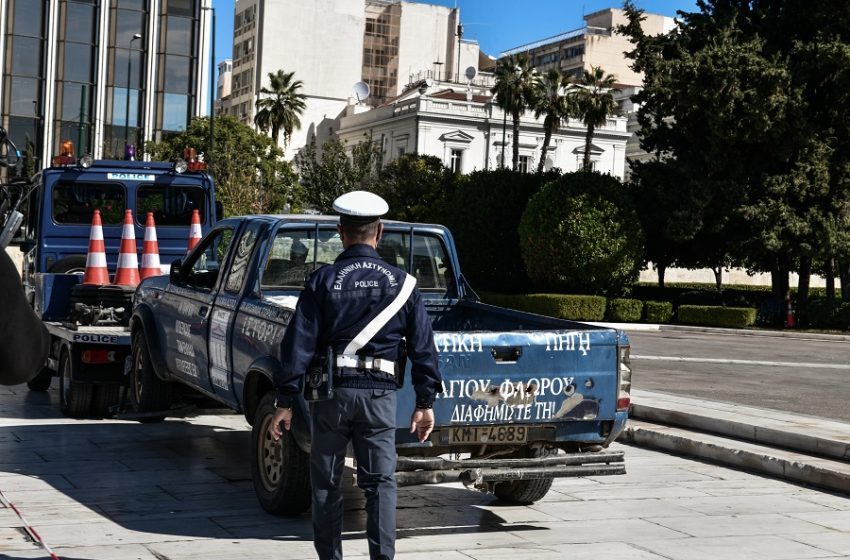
{"type": "Point", "coordinates": [595, 103]}
{"type": "Point", "coordinates": [282, 107]}
{"type": "Point", "coordinates": [552, 101]}
{"type": "Point", "coordinates": [514, 91]}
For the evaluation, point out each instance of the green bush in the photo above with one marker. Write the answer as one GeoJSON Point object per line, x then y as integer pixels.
{"type": "Point", "coordinates": [580, 234]}
{"type": "Point", "coordinates": [732, 317]}
{"type": "Point", "coordinates": [819, 314]}
{"type": "Point", "coordinates": [572, 307]}
{"type": "Point", "coordinates": [415, 187]}
{"type": "Point", "coordinates": [483, 212]}
{"type": "Point", "coordinates": [623, 310]}
{"type": "Point", "coordinates": [659, 312]}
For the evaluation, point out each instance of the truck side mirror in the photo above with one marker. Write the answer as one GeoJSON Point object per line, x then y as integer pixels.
{"type": "Point", "coordinates": [219, 211]}
{"type": "Point", "coordinates": [175, 273]}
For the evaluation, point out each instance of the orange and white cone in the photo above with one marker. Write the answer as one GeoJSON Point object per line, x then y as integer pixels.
{"type": "Point", "coordinates": [96, 271]}
{"type": "Point", "coordinates": [194, 230]}
{"type": "Point", "coordinates": [127, 272]}
{"type": "Point", "coordinates": [150, 250]}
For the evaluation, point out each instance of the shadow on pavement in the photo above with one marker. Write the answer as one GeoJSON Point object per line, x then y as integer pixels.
{"type": "Point", "coordinates": [75, 480]}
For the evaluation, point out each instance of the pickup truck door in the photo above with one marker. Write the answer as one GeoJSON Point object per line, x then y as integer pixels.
{"type": "Point", "coordinates": [223, 316]}
{"type": "Point", "coordinates": [187, 306]}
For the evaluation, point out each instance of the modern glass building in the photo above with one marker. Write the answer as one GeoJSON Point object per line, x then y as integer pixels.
{"type": "Point", "coordinates": [101, 72]}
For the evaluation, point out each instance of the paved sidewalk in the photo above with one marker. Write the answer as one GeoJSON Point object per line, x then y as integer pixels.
{"type": "Point", "coordinates": [181, 489]}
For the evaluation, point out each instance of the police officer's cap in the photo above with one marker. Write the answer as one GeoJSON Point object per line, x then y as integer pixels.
{"type": "Point", "coordinates": [360, 207]}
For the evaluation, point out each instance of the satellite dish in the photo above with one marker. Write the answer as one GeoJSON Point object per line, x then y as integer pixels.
{"type": "Point", "coordinates": [360, 91]}
{"type": "Point", "coordinates": [429, 82]}
{"type": "Point", "coordinates": [471, 72]}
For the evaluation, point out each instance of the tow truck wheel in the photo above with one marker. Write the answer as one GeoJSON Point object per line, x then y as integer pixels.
{"type": "Point", "coordinates": [524, 492]}
{"type": "Point", "coordinates": [75, 264]}
{"type": "Point", "coordinates": [74, 398]}
{"type": "Point", "coordinates": [105, 397]}
{"type": "Point", "coordinates": [148, 393]}
{"type": "Point", "coordinates": [281, 471]}
{"type": "Point", "coordinates": [41, 382]}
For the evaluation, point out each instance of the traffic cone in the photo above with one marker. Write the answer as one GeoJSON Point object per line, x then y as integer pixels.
{"type": "Point", "coordinates": [790, 320]}
{"type": "Point", "coordinates": [150, 250]}
{"type": "Point", "coordinates": [194, 230]}
{"type": "Point", "coordinates": [96, 271]}
{"type": "Point", "coordinates": [127, 273]}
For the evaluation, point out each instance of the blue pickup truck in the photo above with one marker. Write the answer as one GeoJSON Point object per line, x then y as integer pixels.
{"type": "Point", "coordinates": [527, 398]}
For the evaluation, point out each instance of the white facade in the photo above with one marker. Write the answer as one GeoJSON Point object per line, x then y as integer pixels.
{"type": "Point", "coordinates": [467, 135]}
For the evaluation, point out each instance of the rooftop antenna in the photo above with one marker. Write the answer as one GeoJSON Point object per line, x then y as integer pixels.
{"type": "Point", "coordinates": [360, 91]}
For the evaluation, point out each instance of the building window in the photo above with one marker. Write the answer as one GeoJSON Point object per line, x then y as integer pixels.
{"type": "Point", "coordinates": [400, 152]}
{"type": "Point", "coordinates": [456, 161]}
{"type": "Point", "coordinates": [524, 164]}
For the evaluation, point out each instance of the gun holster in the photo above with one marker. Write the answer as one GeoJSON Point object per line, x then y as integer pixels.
{"type": "Point", "coordinates": [319, 379]}
{"type": "Point", "coordinates": [401, 364]}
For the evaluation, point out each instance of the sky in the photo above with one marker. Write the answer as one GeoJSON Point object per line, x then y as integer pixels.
{"type": "Point", "coordinates": [497, 25]}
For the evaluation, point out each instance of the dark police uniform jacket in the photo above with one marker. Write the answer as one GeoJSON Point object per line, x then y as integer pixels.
{"type": "Point", "coordinates": [337, 302]}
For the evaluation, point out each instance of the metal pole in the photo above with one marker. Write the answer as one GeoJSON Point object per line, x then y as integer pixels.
{"type": "Point", "coordinates": [127, 104]}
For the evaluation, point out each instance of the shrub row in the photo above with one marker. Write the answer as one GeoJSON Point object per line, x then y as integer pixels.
{"type": "Point", "coordinates": [713, 316]}
{"type": "Point", "coordinates": [622, 310]}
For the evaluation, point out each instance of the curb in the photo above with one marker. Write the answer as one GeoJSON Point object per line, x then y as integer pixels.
{"type": "Point", "coordinates": [719, 330]}
{"type": "Point", "coordinates": [822, 473]}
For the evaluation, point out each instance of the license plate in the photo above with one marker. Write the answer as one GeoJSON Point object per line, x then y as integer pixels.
{"type": "Point", "coordinates": [488, 434]}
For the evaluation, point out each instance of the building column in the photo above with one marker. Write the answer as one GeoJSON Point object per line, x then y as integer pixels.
{"type": "Point", "coordinates": [204, 53]}
{"type": "Point", "coordinates": [99, 92]}
{"type": "Point", "coordinates": [4, 18]}
{"type": "Point", "coordinates": [51, 41]}
{"type": "Point", "coordinates": [149, 114]}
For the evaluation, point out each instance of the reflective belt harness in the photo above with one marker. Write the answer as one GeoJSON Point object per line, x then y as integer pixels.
{"type": "Point", "coordinates": [349, 357]}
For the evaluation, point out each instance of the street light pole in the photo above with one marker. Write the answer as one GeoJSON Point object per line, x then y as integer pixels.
{"type": "Point", "coordinates": [208, 157]}
{"type": "Point", "coordinates": [127, 105]}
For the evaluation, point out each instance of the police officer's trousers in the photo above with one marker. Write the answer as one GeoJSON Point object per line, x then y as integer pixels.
{"type": "Point", "coordinates": [366, 417]}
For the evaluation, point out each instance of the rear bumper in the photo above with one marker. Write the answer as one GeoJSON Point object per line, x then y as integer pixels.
{"type": "Point", "coordinates": [476, 472]}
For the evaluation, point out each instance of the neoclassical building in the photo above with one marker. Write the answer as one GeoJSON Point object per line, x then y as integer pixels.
{"type": "Point", "coordinates": [468, 132]}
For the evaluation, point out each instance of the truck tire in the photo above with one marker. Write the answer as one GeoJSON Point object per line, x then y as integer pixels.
{"type": "Point", "coordinates": [75, 264]}
{"type": "Point", "coordinates": [41, 382]}
{"type": "Point", "coordinates": [74, 398]}
{"type": "Point", "coordinates": [280, 470]}
{"type": "Point", "coordinates": [105, 397]}
{"type": "Point", "coordinates": [524, 492]}
{"type": "Point", "coordinates": [148, 393]}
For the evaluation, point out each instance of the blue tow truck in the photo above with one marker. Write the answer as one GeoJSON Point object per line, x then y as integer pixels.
{"type": "Point", "coordinates": [527, 398]}
{"type": "Point", "coordinates": [88, 325]}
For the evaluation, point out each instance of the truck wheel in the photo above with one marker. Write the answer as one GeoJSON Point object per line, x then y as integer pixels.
{"type": "Point", "coordinates": [75, 264]}
{"type": "Point", "coordinates": [41, 382]}
{"type": "Point", "coordinates": [74, 398]}
{"type": "Point", "coordinates": [524, 492]}
{"type": "Point", "coordinates": [281, 471]}
{"type": "Point", "coordinates": [148, 393]}
{"type": "Point", "coordinates": [105, 397]}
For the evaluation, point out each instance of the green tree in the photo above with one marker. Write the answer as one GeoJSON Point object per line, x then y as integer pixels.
{"type": "Point", "coordinates": [415, 187]}
{"type": "Point", "coordinates": [514, 90]}
{"type": "Point", "coordinates": [282, 107]}
{"type": "Point", "coordinates": [595, 102]}
{"type": "Point", "coordinates": [248, 169]}
{"type": "Point", "coordinates": [580, 234]}
{"type": "Point", "coordinates": [483, 211]}
{"type": "Point", "coordinates": [554, 105]}
{"type": "Point", "coordinates": [331, 172]}
{"type": "Point", "coordinates": [722, 106]}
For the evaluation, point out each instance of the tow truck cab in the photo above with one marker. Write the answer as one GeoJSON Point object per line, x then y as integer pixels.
{"type": "Point", "coordinates": [55, 235]}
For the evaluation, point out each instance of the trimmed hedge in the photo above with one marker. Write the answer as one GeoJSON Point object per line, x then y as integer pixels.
{"type": "Point", "coordinates": [623, 310]}
{"type": "Point", "coordinates": [709, 315]}
{"type": "Point", "coordinates": [659, 312]}
{"type": "Point", "coordinates": [571, 307]}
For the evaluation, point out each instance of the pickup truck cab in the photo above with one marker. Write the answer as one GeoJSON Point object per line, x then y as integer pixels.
{"type": "Point", "coordinates": [527, 398]}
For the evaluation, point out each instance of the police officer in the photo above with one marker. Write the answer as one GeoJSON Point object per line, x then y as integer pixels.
{"type": "Point", "coordinates": [341, 307]}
